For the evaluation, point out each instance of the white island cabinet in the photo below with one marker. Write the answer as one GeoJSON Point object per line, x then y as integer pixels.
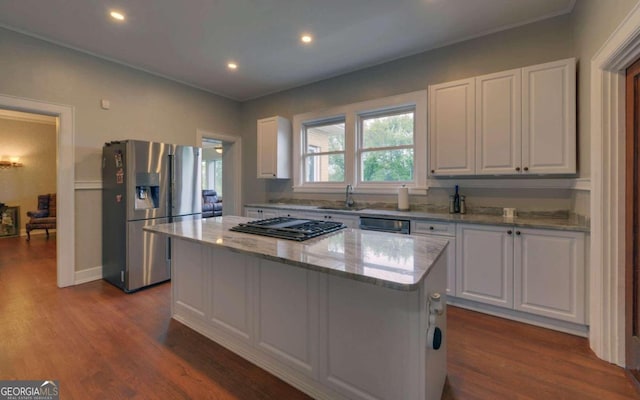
{"type": "Point", "coordinates": [343, 316]}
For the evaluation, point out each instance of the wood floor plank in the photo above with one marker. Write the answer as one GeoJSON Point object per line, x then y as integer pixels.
{"type": "Point", "coordinates": [102, 343]}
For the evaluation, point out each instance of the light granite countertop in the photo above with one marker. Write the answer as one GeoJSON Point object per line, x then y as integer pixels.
{"type": "Point", "coordinates": [394, 261]}
{"type": "Point", "coordinates": [531, 220]}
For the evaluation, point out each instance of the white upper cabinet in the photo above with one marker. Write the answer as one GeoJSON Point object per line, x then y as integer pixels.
{"type": "Point", "coordinates": [452, 128]}
{"type": "Point", "coordinates": [515, 122]}
{"type": "Point", "coordinates": [274, 148]}
{"type": "Point", "coordinates": [498, 123]}
{"type": "Point", "coordinates": [549, 118]}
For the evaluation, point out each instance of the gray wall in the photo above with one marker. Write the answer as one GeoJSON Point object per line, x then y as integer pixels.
{"type": "Point", "coordinates": [530, 44]}
{"type": "Point", "coordinates": [593, 22]}
{"type": "Point", "coordinates": [143, 106]}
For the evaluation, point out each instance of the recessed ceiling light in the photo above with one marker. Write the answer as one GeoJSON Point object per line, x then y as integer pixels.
{"type": "Point", "coordinates": [306, 38]}
{"type": "Point", "coordinates": [117, 15]}
{"type": "Point", "coordinates": [232, 65]}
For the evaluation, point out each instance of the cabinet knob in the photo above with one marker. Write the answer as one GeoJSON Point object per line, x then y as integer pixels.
{"type": "Point", "coordinates": [433, 171]}
{"type": "Point", "coordinates": [517, 232]}
{"type": "Point", "coordinates": [431, 228]}
{"type": "Point", "coordinates": [517, 168]}
{"type": "Point", "coordinates": [509, 232]}
{"type": "Point", "coordinates": [526, 168]}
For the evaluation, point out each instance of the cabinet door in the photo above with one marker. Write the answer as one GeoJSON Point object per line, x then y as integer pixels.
{"type": "Point", "coordinates": [484, 262]}
{"type": "Point", "coordinates": [189, 282]}
{"type": "Point", "coordinates": [498, 123]}
{"type": "Point", "coordinates": [270, 214]}
{"type": "Point", "coordinates": [252, 213]}
{"type": "Point", "coordinates": [274, 148]}
{"type": "Point", "coordinates": [452, 128]}
{"type": "Point", "coordinates": [258, 213]}
{"type": "Point", "coordinates": [549, 274]}
{"type": "Point", "coordinates": [349, 221]}
{"type": "Point", "coordinates": [267, 147]}
{"type": "Point", "coordinates": [549, 118]}
{"type": "Point", "coordinates": [441, 230]}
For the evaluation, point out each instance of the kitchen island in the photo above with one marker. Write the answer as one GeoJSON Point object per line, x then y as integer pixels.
{"type": "Point", "coordinates": [349, 315]}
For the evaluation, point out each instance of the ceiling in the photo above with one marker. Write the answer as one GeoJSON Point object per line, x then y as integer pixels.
{"type": "Point", "coordinates": [192, 41]}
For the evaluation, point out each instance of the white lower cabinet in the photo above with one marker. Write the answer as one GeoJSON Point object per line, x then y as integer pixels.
{"type": "Point", "coordinates": [332, 337]}
{"type": "Point", "coordinates": [441, 230]}
{"type": "Point", "coordinates": [485, 264]}
{"type": "Point", "coordinates": [349, 221]}
{"type": "Point", "coordinates": [286, 326]}
{"type": "Point", "coordinates": [537, 271]}
{"type": "Point", "coordinates": [260, 213]}
{"type": "Point", "coordinates": [549, 274]}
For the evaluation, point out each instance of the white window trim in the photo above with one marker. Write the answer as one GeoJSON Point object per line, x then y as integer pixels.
{"type": "Point", "coordinates": [351, 114]}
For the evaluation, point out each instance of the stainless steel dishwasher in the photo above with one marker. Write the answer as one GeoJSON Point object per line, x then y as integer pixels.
{"type": "Point", "coordinates": [392, 225]}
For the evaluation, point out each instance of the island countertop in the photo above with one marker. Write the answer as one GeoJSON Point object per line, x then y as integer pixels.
{"type": "Point", "coordinates": [390, 260]}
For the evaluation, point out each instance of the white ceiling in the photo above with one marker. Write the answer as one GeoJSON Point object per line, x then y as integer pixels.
{"type": "Point", "coordinates": [191, 41]}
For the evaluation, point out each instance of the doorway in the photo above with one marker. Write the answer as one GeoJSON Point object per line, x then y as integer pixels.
{"type": "Point", "coordinates": [27, 167]}
{"type": "Point", "coordinates": [212, 165]}
{"type": "Point", "coordinates": [65, 179]}
{"type": "Point", "coordinates": [222, 168]}
{"type": "Point", "coordinates": [632, 223]}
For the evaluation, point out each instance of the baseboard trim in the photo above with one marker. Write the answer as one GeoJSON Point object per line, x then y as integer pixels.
{"type": "Point", "coordinates": [537, 320]}
{"type": "Point", "coordinates": [88, 275]}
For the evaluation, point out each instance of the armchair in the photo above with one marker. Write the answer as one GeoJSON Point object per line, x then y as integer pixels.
{"type": "Point", "coordinates": [211, 204]}
{"type": "Point", "coordinates": [44, 217]}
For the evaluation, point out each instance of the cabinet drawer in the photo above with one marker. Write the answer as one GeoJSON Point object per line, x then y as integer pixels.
{"type": "Point", "coordinates": [434, 228]}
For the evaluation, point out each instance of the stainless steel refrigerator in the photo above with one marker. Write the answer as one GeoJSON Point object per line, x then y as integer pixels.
{"type": "Point", "coordinates": [145, 183]}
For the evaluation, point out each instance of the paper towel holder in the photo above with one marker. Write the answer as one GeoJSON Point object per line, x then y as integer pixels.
{"type": "Point", "coordinates": [403, 198]}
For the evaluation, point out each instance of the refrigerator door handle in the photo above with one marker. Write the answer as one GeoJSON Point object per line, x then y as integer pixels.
{"type": "Point", "coordinates": [168, 250]}
{"type": "Point", "coordinates": [171, 188]}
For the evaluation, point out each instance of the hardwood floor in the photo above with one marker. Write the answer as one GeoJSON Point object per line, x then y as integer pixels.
{"type": "Point", "coordinates": [101, 343]}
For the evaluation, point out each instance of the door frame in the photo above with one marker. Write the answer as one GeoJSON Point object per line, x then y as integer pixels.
{"type": "Point", "coordinates": [65, 176]}
{"type": "Point", "coordinates": [607, 272]}
{"type": "Point", "coordinates": [236, 144]}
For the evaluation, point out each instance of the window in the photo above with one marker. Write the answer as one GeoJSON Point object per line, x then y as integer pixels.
{"type": "Point", "coordinates": [324, 156]}
{"type": "Point", "coordinates": [376, 146]}
{"type": "Point", "coordinates": [212, 175]}
{"type": "Point", "coordinates": [387, 147]}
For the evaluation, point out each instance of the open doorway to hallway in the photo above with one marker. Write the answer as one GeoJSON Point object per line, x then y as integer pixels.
{"type": "Point", "coordinates": [28, 157]}
{"type": "Point", "coordinates": [222, 170]}
{"type": "Point", "coordinates": [212, 173]}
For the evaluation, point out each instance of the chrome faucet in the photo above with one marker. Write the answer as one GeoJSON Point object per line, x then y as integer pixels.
{"type": "Point", "coordinates": [349, 200]}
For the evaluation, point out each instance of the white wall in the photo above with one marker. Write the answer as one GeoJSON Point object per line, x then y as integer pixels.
{"type": "Point", "coordinates": [143, 106]}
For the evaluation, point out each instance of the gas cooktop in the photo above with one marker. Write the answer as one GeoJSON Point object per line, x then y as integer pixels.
{"type": "Point", "coordinates": [289, 228]}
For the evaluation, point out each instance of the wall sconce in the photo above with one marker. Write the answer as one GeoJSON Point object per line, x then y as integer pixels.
{"type": "Point", "coordinates": [13, 162]}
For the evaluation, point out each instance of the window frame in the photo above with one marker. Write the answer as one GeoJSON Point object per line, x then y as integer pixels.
{"type": "Point", "coordinates": [360, 149]}
{"type": "Point", "coordinates": [305, 153]}
{"type": "Point", "coordinates": [353, 114]}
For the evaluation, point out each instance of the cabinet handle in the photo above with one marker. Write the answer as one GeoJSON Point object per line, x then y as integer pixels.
{"type": "Point", "coordinates": [517, 232]}
{"type": "Point", "coordinates": [509, 232]}
{"type": "Point", "coordinates": [431, 228]}
{"type": "Point", "coordinates": [517, 168]}
{"type": "Point", "coordinates": [526, 168]}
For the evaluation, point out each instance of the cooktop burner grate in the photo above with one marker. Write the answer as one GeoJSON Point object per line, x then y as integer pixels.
{"type": "Point", "coordinates": [289, 228]}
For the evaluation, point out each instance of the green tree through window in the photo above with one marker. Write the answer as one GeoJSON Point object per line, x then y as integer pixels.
{"type": "Point", "coordinates": [387, 148]}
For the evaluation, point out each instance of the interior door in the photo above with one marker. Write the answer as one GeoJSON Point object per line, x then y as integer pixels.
{"type": "Point", "coordinates": [632, 208]}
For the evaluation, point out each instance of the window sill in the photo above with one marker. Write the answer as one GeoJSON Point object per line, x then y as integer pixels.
{"type": "Point", "coordinates": [385, 190]}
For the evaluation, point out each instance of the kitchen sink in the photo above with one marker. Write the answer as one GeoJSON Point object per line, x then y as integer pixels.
{"type": "Point", "coordinates": [342, 208]}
